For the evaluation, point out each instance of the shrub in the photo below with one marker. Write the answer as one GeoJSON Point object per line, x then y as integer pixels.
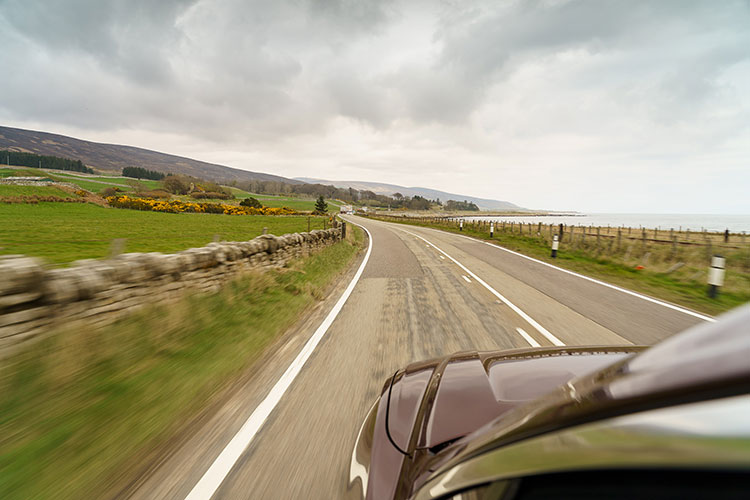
{"type": "Point", "coordinates": [198, 195]}
{"type": "Point", "coordinates": [108, 191]}
{"type": "Point", "coordinates": [179, 206]}
{"type": "Point", "coordinates": [251, 202]}
{"type": "Point", "coordinates": [176, 184]}
{"type": "Point", "coordinates": [156, 193]}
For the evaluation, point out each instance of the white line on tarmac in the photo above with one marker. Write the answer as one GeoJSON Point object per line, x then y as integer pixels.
{"type": "Point", "coordinates": [466, 278]}
{"type": "Point", "coordinates": [528, 338]}
{"type": "Point", "coordinates": [598, 282]}
{"type": "Point", "coordinates": [215, 475]}
{"type": "Point", "coordinates": [497, 294]}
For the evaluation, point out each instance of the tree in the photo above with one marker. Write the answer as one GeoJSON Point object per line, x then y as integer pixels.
{"type": "Point", "coordinates": [251, 202]}
{"type": "Point", "coordinates": [461, 205]}
{"type": "Point", "coordinates": [142, 173]}
{"type": "Point", "coordinates": [321, 207]}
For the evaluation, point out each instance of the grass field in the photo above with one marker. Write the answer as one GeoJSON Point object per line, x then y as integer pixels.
{"type": "Point", "coordinates": [80, 409]}
{"type": "Point", "coordinates": [301, 204]}
{"type": "Point", "coordinates": [64, 232]}
{"type": "Point", "coordinates": [21, 172]}
{"type": "Point", "coordinates": [96, 184]}
{"type": "Point", "coordinates": [11, 190]}
{"type": "Point", "coordinates": [90, 183]}
{"type": "Point", "coordinates": [687, 286]}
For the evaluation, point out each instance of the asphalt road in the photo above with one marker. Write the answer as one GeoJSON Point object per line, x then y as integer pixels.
{"type": "Point", "coordinates": [412, 302]}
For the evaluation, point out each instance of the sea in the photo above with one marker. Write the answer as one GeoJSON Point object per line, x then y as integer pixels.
{"type": "Point", "coordinates": [692, 222]}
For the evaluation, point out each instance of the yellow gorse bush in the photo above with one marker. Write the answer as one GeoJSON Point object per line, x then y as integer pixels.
{"type": "Point", "coordinates": [179, 206]}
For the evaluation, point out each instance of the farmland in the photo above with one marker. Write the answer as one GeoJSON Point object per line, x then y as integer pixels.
{"type": "Point", "coordinates": [64, 232]}
{"type": "Point", "coordinates": [96, 184]}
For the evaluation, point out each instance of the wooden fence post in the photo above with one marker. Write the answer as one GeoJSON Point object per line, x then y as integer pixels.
{"type": "Point", "coordinates": [619, 238]}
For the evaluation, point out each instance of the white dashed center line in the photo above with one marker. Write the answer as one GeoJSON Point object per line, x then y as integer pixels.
{"type": "Point", "coordinates": [528, 338]}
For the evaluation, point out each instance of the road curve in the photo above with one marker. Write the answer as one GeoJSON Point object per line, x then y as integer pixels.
{"type": "Point", "coordinates": [423, 293]}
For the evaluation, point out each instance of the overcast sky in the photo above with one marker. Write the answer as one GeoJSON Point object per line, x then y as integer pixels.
{"type": "Point", "coordinates": [593, 105]}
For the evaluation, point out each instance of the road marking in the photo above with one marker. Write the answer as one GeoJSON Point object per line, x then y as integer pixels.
{"type": "Point", "coordinates": [528, 338]}
{"type": "Point", "coordinates": [593, 280]}
{"type": "Point", "coordinates": [466, 278]}
{"type": "Point", "coordinates": [442, 257]}
{"type": "Point", "coordinates": [497, 294]}
{"type": "Point", "coordinates": [215, 475]}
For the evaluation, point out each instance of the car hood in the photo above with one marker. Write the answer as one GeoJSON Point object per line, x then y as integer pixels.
{"type": "Point", "coordinates": [464, 391]}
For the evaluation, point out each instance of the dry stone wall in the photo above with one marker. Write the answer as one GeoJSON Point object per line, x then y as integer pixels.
{"type": "Point", "coordinates": [34, 299]}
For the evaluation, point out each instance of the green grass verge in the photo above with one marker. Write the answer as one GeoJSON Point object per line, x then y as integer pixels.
{"type": "Point", "coordinates": [64, 232]}
{"type": "Point", "coordinates": [680, 288]}
{"type": "Point", "coordinates": [78, 407]}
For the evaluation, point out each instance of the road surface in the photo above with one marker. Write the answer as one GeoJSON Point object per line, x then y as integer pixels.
{"type": "Point", "coordinates": [422, 293]}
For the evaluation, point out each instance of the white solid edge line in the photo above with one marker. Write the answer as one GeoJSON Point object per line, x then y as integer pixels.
{"type": "Point", "coordinates": [215, 475]}
{"type": "Point", "coordinates": [497, 294]}
{"type": "Point", "coordinates": [467, 279]}
{"type": "Point", "coordinates": [593, 280]}
{"type": "Point", "coordinates": [528, 338]}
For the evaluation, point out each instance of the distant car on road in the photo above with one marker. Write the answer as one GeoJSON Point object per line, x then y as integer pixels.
{"type": "Point", "coordinates": [669, 421]}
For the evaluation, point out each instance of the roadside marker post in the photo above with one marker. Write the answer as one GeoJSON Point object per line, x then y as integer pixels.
{"type": "Point", "coordinates": [492, 229]}
{"type": "Point", "coordinates": [716, 275]}
{"type": "Point", "coordinates": [461, 225]}
{"type": "Point", "coordinates": [555, 245]}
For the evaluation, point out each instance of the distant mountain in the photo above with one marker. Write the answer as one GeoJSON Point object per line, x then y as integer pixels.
{"type": "Point", "coordinates": [112, 157]}
{"type": "Point", "coordinates": [432, 194]}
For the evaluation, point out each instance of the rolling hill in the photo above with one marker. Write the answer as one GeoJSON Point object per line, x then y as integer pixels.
{"type": "Point", "coordinates": [432, 194]}
{"type": "Point", "coordinates": [113, 157]}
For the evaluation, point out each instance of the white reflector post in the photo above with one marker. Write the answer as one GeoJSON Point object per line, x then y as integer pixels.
{"type": "Point", "coordinates": [716, 275]}
{"type": "Point", "coordinates": [492, 229]}
{"type": "Point", "coordinates": [555, 246]}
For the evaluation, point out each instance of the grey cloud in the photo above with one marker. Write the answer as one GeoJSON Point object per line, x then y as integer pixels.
{"type": "Point", "coordinates": [483, 45]}
{"type": "Point", "coordinates": [480, 76]}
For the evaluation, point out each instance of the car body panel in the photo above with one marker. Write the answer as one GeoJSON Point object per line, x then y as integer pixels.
{"type": "Point", "coordinates": [434, 402]}
{"type": "Point", "coordinates": [706, 362]}
{"type": "Point", "coordinates": [706, 435]}
{"type": "Point", "coordinates": [597, 402]}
